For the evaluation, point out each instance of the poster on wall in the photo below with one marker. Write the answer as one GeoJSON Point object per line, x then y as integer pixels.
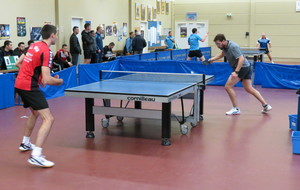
{"type": "Point", "coordinates": [4, 31]}
{"type": "Point", "coordinates": [163, 6]}
{"type": "Point", "coordinates": [21, 26]}
{"type": "Point", "coordinates": [102, 32]}
{"type": "Point", "coordinates": [137, 11]}
{"type": "Point", "coordinates": [35, 34]}
{"type": "Point", "coordinates": [154, 14]}
{"type": "Point", "coordinates": [167, 7]}
{"type": "Point", "coordinates": [120, 34]}
{"type": "Point", "coordinates": [108, 30]}
{"type": "Point", "coordinates": [124, 29]}
{"type": "Point", "coordinates": [115, 29]}
{"type": "Point", "coordinates": [158, 6]}
{"type": "Point", "coordinates": [192, 16]}
{"type": "Point", "coordinates": [143, 12]}
{"type": "Point", "coordinates": [149, 13]}
{"type": "Point", "coordinates": [183, 32]}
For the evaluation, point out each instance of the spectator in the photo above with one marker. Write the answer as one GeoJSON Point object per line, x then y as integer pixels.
{"type": "Point", "coordinates": [87, 42]}
{"type": "Point", "coordinates": [138, 43]}
{"type": "Point", "coordinates": [75, 49]}
{"type": "Point", "coordinates": [128, 44]}
{"type": "Point", "coordinates": [94, 48]}
{"type": "Point", "coordinates": [99, 42]}
{"type": "Point", "coordinates": [5, 50]}
{"type": "Point", "coordinates": [170, 41]}
{"type": "Point", "coordinates": [63, 58]}
{"type": "Point", "coordinates": [19, 62]}
{"type": "Point", "coordinates": [108, 52]}
{"type": "Point", "coordinates": [20, 49]}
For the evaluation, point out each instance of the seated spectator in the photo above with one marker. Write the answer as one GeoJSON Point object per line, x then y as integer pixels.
{"type": "Point", "coordinates": [108, 52]}
{"type": "Point", "coordinates": [20, 49]}
{"type": "Point", "coordinates": [5, 50]}
{"type": "Point", "coordinates": [62, 58]}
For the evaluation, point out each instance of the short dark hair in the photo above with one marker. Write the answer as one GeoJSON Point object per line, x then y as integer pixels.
{"type": "Point", "coordinates": [21, 43]}
{"type": "Point", "coordinates": [112, 44]}
{"type": "Point", "coordinates": [47, 30]}
{"type": "Point", "coordinates": [6, 43]}
{"type": "Point", "coordinates": [75, 27]}
{"type": "Point", "coordinates": [30, 42]}
{"type": "Point", "coordinates": [194, 30]}
{"type": "Point", "coordinates": [169, 32]}
{"type": "Point", "coordinates": [64, 45]}
{"type": "Point", "coordinates": [130, 33]}
{"type": "Point", "coordinates": [220, 37]}
{"type": "Point", "coordinates": [87, 25]}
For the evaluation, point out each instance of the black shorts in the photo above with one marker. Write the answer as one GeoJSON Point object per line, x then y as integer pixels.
{"type": "Point", "coordinates": [265, 49]}
{"type": "Point", "coordinates": [87, 54]}
{"type": "Point", "coordinates": [34, 99]}
{"type": "Point", "coordinates": [244, 73]}
{"type": "Point", "coordinates": [195, 53]}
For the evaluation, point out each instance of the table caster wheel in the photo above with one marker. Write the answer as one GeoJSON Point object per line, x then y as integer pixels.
{"type": "Point", "coordinates": [166, 142]}
{"type": "Point", "coordinates": [184, 129]}
{"type": "Point", "coordinates": [194, 124]}
{"type": "Point", "coordinates": [120, 118]}
{"type": "Point", "coordinates": [201, 117]}
{"type": "Point", "coordinates": [90, 135]}
{"type": "Point", "coordinates": [105, 122]}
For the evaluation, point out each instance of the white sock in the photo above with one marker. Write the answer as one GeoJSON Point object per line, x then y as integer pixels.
{"type": "Point", "coordinates": [37, 151]}
{"type": "Point", "coordinates": [26, 140]}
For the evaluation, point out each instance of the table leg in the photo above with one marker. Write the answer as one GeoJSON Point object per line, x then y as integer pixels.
{"type": "Point", "coordinates": [166, 124]}
{"type": "Point", "coordinates": [89, 118]}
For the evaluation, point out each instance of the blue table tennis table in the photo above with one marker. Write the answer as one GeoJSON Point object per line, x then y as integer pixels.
{"type": "Point", "coordinates": [142, 87]}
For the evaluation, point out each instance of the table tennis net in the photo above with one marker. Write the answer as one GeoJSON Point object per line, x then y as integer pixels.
{"type": "Point", "coordinates": [151, 76]}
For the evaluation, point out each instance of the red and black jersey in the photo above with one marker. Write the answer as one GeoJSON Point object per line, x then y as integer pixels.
{"type": "Point", "coordinates": [29, 76]}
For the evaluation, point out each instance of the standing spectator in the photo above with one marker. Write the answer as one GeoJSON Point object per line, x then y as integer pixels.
{"type": "Point", "coordinates": [99, 43]}
{"type": "Point", "coordinates": [20, 49]}
{"type": "Point", "coordinates": [138, 43]}
{"type": "Point", "coordinates": [128, 44]}
{"type": "Point", "coordinates": [87, 41]}
{"type": "Point", "coordinates": [94, 48]}
{"type": "Point", "coordinates": [194, 45]}
{"type": "Point", "coordinates": [5, 50]}
{"type": "Point", "coordinates": [264, 43]}
{"type": "Point", "coordinates": [108, 52]}
{"type": "Point", "coordinates": [75, 49]}
{"type": "Point", "coordinates": [63, 57]}
{"type": "Point", "coordinates": [170, 41]}
{"type": "Point", "coordinates": [35, 70]}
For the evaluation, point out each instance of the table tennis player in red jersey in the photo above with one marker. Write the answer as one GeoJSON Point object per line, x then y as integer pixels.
{"type": "Point", "coordinates": [35, 71]}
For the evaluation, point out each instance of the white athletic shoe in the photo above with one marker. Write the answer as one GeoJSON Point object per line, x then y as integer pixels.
{"type": "Point", "coordinates": [234, 111]}
{"type": "Point", "coordinates": [25, 147]}
{"type": "Point", "coordinates": [40, 161]}
{"type": "Point", "coordinates": [267, 108]}
{"type": "Point", "coordinates": [272, 62]}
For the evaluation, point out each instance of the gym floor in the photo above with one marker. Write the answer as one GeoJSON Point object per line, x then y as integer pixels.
{"type": "Point", "coordinates": [252, 151]}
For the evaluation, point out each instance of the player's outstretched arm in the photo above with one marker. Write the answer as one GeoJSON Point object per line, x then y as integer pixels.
{"type": "Point", "coordinates": [47, 79]}
{"type": "Point", "coordinates": [219, 56]}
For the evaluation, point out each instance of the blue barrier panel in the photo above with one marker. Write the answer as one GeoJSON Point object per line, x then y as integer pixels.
{"type": "Point", "coordinates": [163, 55]}
{"type": "Point", "coordinates": [89, 73]}
{"type": "Point", "coordinates": [179, 55]}
{"type": "Point", "coordinates": [148, 56]}
{"type": "Point", "coordinates": [131, 57]}
{"type": "Point", "coordinates": [206, 51]}
{"type": "Point", "coordinates": [7, 90]}
{"type": "Point", "coordinates": [280, 76]}
{"type": "Point", "coordinates": [70, 80]}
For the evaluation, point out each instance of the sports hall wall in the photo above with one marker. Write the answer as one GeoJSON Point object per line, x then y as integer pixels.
{"type": "Point", "coordinates": [277, 18]}
{"type": "Point", "coordinates": [36, 12]}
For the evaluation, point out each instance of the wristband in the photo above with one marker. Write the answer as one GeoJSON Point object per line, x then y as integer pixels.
{"type": "Point", "coordinates": [237, 72]}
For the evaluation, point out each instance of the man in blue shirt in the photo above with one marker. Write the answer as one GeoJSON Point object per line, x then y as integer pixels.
{"type": "Point", "coordinates": [99, 43]}
{"type": "Point", "coordinates": [170, 41]}
{"type": "Point", "coordinates": [264, 43]}
{"type": "Point", "coordinates": [241, 71]}
{"type": "Point", "coordinates": [128, 44]}
{"type": "Point", "coordinates": [194, 45]}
